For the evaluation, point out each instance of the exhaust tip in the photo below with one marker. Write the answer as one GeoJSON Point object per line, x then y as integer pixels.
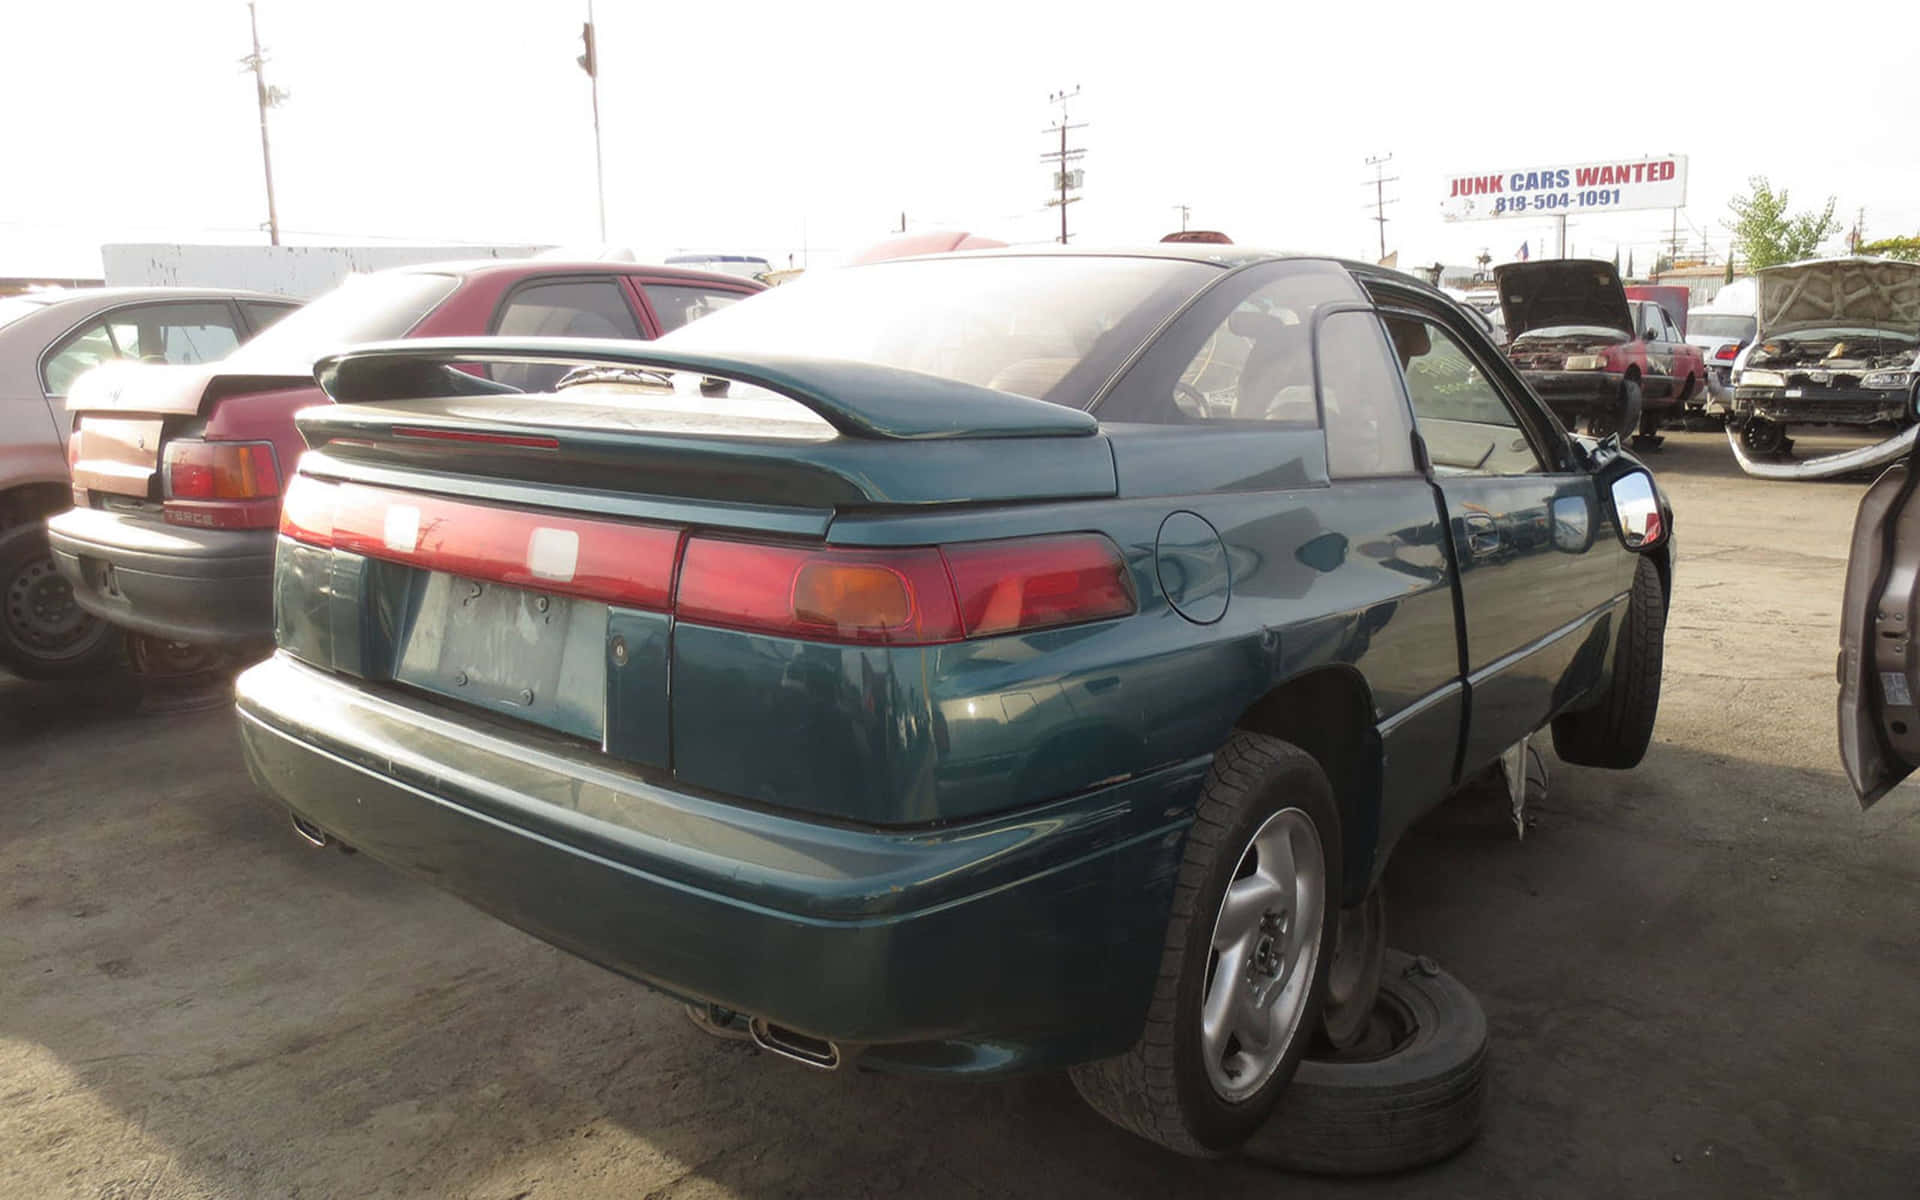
{"type": "Point", "coordinates": [311, 834]}
{"type": "Point", "coordinates": [818, 1053]}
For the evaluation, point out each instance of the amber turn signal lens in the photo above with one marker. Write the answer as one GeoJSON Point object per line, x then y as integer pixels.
{"type": "Point", "coordinates": [851, 596]}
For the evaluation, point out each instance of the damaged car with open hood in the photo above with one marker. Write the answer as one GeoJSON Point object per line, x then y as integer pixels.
{"type": "Point", "coordinates": [1836, 346]}
{"type": "Point", "coordinates": [1603, 363]}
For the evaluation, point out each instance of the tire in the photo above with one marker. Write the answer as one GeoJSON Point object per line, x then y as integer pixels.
{"type": "Point", "coordinates": [44, 634]}
{"type": "Point", "coordinates": [1763, 437]}
{"type": "Point", "coordinates": [1625, 417]}
{"type": "Point", "coordinates": [1412, 1094]}
{"type": "Point", "coordinates": [1171, 1088]}
{"type": "Point", "coordinates": [1615, 733]}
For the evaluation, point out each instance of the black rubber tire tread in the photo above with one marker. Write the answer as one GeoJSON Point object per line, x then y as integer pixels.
{"type": "Point", "coordinates": [1416, 1106]}
{"type": "Point", "coordinates": [1616, 732]}
{"type": "Point", "coordinates": [1141, 1091]}
{"type": "Point", "coordinates": [19, 547]}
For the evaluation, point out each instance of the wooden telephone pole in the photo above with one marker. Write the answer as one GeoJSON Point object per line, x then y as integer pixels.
{"type": "Point", "coordinates": [1065, 178]}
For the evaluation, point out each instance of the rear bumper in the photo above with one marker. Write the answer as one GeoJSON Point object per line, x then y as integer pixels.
{"type": "Point", "coordinates": [1006, 944]}
{"type": "Point", "coordinates": [1861, 407]}
{"type": "Point", "coordinates": [212, 586]}
{"type": "Point", "coordinates": [1584, 393]}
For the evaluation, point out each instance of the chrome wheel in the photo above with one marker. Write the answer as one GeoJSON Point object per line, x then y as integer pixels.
{"type": "Point", "coordinates": [43, 619]}
{"type": "Point", "coordinates": [1266, 948]}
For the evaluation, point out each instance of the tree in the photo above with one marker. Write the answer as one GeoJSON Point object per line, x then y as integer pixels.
{"type": "Point", "coordinates": [1907, 248]}
{"type": "Point", "coordinates": [1766, 234]}
{"type": "Point", "coordinates": [1728, 277]}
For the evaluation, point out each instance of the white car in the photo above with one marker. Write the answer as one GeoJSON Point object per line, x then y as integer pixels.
{"type": "Point", "coordinates": [1721, 336]}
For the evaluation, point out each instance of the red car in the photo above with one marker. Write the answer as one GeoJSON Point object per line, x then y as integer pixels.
{"type": "Point", "coordinates": [1601, 361]}
{"type": "Point", "coordinates": [178, 471]}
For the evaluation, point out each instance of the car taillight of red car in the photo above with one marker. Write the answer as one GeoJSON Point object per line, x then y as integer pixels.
{"type": "Point", "coordinates": [220, 485]}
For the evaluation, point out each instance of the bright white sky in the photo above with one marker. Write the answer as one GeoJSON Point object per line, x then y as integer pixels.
{"type": "Point", "coordinates": [781, 127]}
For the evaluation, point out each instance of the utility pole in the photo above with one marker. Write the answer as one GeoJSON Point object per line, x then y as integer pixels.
{"type": "Point", "coordinates": [1065, 178]}
{"type": "Point", "coordinates": [903, 222]}
{"type": "Point", "coordinates": [590, 63]}
{"type": "Point", "coordinates": [1184, 210]}
{"type": "Point", "coordinates": [268, 97]}
{"type": "Point", "coordinates": [1379, 184]}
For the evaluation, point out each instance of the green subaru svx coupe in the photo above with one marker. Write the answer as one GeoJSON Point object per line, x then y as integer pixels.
{"type": "Point", "coordinates": [962, 665]}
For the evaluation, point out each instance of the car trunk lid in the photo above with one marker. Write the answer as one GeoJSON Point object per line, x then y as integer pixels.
{"type": "Point", "coordinates": [521, 554]}
{"type": "Point", "coordinates": [125, 411]}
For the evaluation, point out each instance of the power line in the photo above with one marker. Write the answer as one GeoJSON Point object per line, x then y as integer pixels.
{"type": "Point", "coordinates": [1065, 178]}
{"type": "Point", "coordinates": [1379, 184]}
{"type": "Point", "coordinates": [1185, 211]}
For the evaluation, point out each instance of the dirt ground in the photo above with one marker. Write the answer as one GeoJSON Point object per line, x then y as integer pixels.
{"type": "Point", "coordinates": [1699, 974]}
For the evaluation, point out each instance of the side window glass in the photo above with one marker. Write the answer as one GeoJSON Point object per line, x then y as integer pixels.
{"type": "Point", "coordinates": [676, 305]}
{"type": "Point", "coordinates": [84, 351]}
{"type": "Point", "coordinates": [1466, 422]}
{"type": "Point", "coordinates": [1257, 365]}
{"type": "Point", "coordinates": [1366, 418]}
{"type": "Point", "coordinates": [176, 333]}
{"type": "Point", "coordinates": [262, 313]}
{"type": "Point", "coordinates": [581, 308]}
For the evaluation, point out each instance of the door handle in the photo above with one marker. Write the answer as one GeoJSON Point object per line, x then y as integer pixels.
{"type": "Point", "coordinates": [1483, 533]}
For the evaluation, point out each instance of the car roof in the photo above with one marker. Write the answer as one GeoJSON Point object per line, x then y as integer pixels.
{"type": "Point", "coordinates": [554, 266]}
{"type": "Point", "coordinates": [115, 295]}
{"type": "Point", "coordinates": [1209, 254]}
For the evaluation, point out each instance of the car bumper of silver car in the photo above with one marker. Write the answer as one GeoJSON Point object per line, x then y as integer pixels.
{"type": "Point", "coordinates": [1006, 944]}
{"type": "Point", "coordinates": [1862, 407]}
{"type": "Point", "coordinates": [207, 586]}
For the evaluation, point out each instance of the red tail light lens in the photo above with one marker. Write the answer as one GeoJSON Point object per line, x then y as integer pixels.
{"type": "Point", "coordinates": [1727, 352]}
{"type": "Point", "coordinates": [1035, 583]}
{"type": "Point", "coordinates": [195, 470]}
{"type": "Point", "coordinates": [306, 512]}
{"type": "Point", "coordinates": [877, 596]}
{"type": "Point", "coordinates": [919, 595]}
{"type": "Point", "coordinates": [613, 561]}
{"type": "Point", "coordinates": [73, 448]}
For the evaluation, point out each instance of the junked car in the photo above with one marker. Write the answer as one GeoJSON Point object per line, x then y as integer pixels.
{"type": "Point", "coordinates": [49, 339]}
{"type": "Point", "coordinates": [177, 472]}
{"type": "Point", "coordinates": [948, 666]}
{"type": "Point", "coordinates": [1837, 344]}
{"type": "Point", "coordinates": [1601, 361]}
{"type": "Point", "coordinates": [1721, 337]}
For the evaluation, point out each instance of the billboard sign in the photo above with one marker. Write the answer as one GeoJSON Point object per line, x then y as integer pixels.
{"type": "Point", "coordinates": [1610, 185]}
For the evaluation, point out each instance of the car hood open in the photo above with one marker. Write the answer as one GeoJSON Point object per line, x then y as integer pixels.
{"type": "Point", "coordinates": [1562, 291]}
{"type": "Point", "coordinates": [1878, 293]}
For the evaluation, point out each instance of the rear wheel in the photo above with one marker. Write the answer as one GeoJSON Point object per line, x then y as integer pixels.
{"type": "Point", "coordinates": [44, 633]}
{"type": "Point", "coordinates": [1243, 969]}
{"type": "Point", "coordinates": [1615, 733]}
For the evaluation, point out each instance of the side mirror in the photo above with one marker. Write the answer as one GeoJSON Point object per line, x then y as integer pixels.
{"type": "Point", "coordinates": [1636, 511]}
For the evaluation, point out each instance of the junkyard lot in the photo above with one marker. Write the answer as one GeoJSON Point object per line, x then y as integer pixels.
{"type": "Point", "coordinates": [1698, 974]}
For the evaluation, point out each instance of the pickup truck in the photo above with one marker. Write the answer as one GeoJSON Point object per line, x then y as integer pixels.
{"type": "Point", "coordinates": [960, 665]}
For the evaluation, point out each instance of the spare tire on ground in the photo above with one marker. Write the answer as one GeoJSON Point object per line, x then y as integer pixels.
{"type": "Point", "coordinates": [1411, 1092]}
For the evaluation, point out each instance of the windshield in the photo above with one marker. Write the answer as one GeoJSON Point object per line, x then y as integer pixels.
{"type": "Point", "coordinates": [1726, 325]}
{"type": "Point", "coordinates": [1050, 327]}
{"type": "Point", "coordinates": [12, 308]}
{"type": "Point", "coordinates": [366, 308]}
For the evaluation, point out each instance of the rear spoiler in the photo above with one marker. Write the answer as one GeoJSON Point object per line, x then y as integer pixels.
{"type": "Point", "coordinates": [860, 400]}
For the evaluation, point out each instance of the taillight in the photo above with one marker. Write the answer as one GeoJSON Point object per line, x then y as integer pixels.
{"type": "Point", "coordinates": [880, 596]}
{"type": "Point", "coordinates": [614, 561]}
{"type": "Point", "coordinates": [1727, 352]}
{"type": "Point", "coordinates": [1034, 583]}
{"type": "Point", "coordinates": [917, 595]}
{"type": "Point", "coordinates": [195, 470]}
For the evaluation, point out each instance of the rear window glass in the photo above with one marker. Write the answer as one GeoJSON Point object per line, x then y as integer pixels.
{"type": "Point", "coordinates": [1054, 327]}
{"type": "Point", "coordinates": [1726, 325]}
{"type": "Point", "coordinates": [366, 308]}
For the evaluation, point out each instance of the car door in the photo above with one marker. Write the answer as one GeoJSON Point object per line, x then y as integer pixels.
{"type": "Point", "coordinates": [1540, 594]}
{"type": "Point", "coordinates": [1657, 338]}
{"type": "Point", "coordinates": [1879, 658]}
